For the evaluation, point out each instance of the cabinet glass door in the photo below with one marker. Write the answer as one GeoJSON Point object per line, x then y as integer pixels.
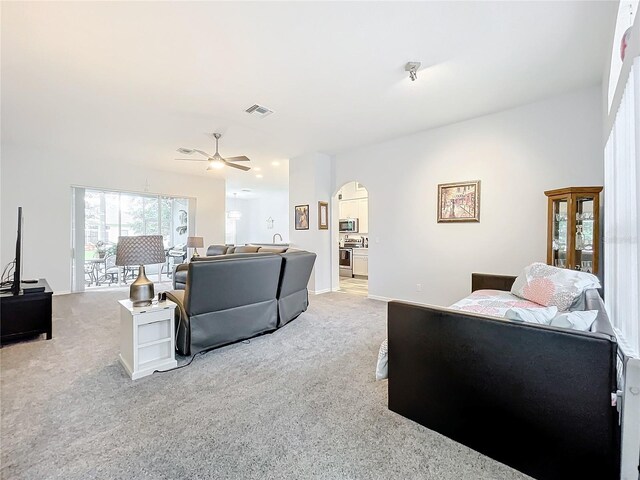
{"type": "Point", "coordinates": [560, 219]}
{"type": "Point", "coordinates": [584, 234]}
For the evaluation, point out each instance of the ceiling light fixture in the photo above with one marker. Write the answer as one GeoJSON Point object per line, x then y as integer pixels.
{"type": "Point", "coordinates": [216, 162]}
{"type": "Point", "coordinates": [275, 163]}
{"type": "Point", "coordinates": [412, 68]}
{"type": "Point", "coordinates": [258, 176]}
{"type": "Point", "coordinates": [256, 169]}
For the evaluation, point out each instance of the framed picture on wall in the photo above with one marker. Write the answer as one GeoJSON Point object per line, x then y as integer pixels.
{"type": "Point", "coordinates": [323, 216]}
{"type": "Point", "coordinates": [459, 202]}
{"type": "Point", "coordinates": [302, 217]}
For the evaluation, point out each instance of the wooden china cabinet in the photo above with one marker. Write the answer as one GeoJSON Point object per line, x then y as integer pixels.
{"type": "Point", "coordinates": [573, 228]}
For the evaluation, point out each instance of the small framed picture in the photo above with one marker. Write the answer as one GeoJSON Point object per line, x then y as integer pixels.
{"type": "Point", "coordinates": [459, 202]}
{"type": "Point", "coordinates": [323, 216]}
{"type": "Point", "coordinates": [302, 217]}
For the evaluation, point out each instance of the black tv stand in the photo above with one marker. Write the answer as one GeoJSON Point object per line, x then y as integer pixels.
{"type": "Point", "coordinates": [26, 315]}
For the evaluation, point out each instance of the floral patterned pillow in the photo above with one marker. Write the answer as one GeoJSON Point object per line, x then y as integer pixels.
{"type": "Point", "coordinates": [548, 285]}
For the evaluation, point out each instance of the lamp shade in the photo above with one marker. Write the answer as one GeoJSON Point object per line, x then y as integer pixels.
{"type": "Point", "coordinates": [195, 242]}
{"type": "Point", "coordinates": [140, 250]}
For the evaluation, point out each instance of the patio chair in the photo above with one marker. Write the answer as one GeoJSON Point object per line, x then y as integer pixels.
{"type": "Point", "coordinates": [89, 277]}
{"type": "Point", "coordinates": [179, 254]}
{"type": "Point", "coordinates": [110, 270]}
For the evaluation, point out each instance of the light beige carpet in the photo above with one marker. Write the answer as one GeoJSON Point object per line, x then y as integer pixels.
{"type": "Point", "coordinates": [301, 403]}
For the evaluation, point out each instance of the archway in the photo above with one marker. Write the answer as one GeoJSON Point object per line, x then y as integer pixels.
{"type": "Point", "coordinates": [350, 242]}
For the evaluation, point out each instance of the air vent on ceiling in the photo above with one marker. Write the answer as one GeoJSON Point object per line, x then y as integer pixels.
{"type": "Point", "coordinates": [259, 110]}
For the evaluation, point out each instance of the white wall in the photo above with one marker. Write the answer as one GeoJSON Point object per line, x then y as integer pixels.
{"type": "Point", "coordinates": [517, 154]}
{"type": "Point", "coordinates": [252, 227]}
{"type": "Point", "coordinates": [310, 179]}
{"type": "Point", "coordinates": [40, 182]}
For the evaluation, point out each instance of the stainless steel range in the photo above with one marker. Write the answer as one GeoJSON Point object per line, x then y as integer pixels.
{"type": "Point", "coordinates": [346, 255]}
{"type": "Point", "coordinates": [346, 262]}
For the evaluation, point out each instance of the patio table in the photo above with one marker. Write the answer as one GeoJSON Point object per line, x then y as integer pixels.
{"type": "Point", "coordinates": [95, 264]}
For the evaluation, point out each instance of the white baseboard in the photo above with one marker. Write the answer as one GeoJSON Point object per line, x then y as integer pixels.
{"type": "Point", "coordinates": [378, 297]}
{"type": "Point", "coordinates": [64, 292]}
{"type": "Point", "coordinates": [320, 292]}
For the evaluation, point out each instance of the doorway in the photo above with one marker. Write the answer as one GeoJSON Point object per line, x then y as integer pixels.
{"type": "Point", "coordinates": [352, 265]}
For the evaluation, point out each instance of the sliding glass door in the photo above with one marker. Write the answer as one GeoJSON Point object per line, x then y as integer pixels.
{"type": "Point", "coordinates": [101, 216]}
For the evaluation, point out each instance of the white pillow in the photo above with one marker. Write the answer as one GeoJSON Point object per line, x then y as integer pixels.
{"type": "Point", "coordinates": [541, 316]}
{"type": "Point", "coordinates": [382, 368]}
{"type": "Point", "coordinates": [578, 320]}
{"type": "Point", "coordinates": [548, 285]}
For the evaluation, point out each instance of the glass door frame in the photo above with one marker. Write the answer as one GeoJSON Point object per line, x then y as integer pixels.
{"type": "Point", "coordinates": [78, 226]}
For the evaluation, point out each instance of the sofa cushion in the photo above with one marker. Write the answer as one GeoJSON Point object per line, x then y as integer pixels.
{"type": "Point", "coordinates": [216, 250]}
{"type": "Point", "coordinates": [272, 249]}
{"type": "Point", "coordinates": [246, 249]}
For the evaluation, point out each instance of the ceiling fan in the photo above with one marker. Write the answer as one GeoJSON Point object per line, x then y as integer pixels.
{"type": "Point", "coordinates": [215, 161]}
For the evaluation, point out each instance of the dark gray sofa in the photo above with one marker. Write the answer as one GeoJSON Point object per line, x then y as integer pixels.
{"type": "Point", "coordinates": [232, 297]}
{"type": "Point", "coordinates": [535, 397]}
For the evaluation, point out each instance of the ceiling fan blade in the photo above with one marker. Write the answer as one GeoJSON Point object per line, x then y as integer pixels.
{"type": "Point", "coordinates": [241, 158]}
{"type": "Point", "coordinates": [203, 153]}
{"type": "Point", "coordinates": [192, 159]}
{"type": "Point", "coordinates": [186, 151]}
{"type": "Point", "coordinates": [239, 167]}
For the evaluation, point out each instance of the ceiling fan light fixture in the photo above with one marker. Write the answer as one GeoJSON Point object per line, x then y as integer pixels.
{"type": "Point", "coordinates": [215, 164]}
{"type": "Point", "coordinates": [216, 161]}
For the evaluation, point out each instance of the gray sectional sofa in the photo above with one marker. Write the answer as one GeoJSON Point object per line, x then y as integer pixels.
{"type": "Point", "coordinates": [227, 297]}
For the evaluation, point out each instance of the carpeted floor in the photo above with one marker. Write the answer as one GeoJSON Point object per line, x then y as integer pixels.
{"type": "Point", "coordinates": [301, 403]}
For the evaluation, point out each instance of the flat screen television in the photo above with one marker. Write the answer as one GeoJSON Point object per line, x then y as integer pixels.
{"type": "Point", "coordinates": [17, 273]}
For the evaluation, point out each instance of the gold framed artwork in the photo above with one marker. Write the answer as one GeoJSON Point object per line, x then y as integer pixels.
{"type": "Point", "coordinates": [323, 216]}
{"type": "Point", "coordinates": [302, 217]}
{"type": "Point", "coordinates": [459, 202]}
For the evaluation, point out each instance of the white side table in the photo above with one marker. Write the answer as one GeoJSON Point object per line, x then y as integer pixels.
{"type": "Point", "coordinates": [147, 338]}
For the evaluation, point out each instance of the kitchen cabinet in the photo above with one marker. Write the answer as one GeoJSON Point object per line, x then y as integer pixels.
{"type": "Point", "coordinates": [361, 261]}
{"type": "Point", "coordinates": [363, 215]}
{"type": "Point", "coordinates": [348, 209]}
{"type": "Point", "coordinates": [573, 231]}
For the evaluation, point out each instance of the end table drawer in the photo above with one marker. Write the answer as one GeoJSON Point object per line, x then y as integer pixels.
{"type": "Point", "coordinates": [154, 353]}
{"type": "Point", "coordinates": [150, 317]}
{"type": "Point", "coordinates": [151, 332]}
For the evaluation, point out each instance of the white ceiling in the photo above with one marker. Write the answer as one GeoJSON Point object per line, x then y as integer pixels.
{"type": "Point", "coordinates": [131, 82]}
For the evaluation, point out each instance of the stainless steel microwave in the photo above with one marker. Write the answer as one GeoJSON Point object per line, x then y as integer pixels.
{"type": "Point", "coordinates": [349, 225]}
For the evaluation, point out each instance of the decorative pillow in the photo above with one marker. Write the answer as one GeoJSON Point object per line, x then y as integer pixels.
{"type": "Point", "coordinates": [541, 316]}
{"type": "Point", "coordinates": [548, 285]}
{"type": "Point", "coordinates": [576, 320]}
